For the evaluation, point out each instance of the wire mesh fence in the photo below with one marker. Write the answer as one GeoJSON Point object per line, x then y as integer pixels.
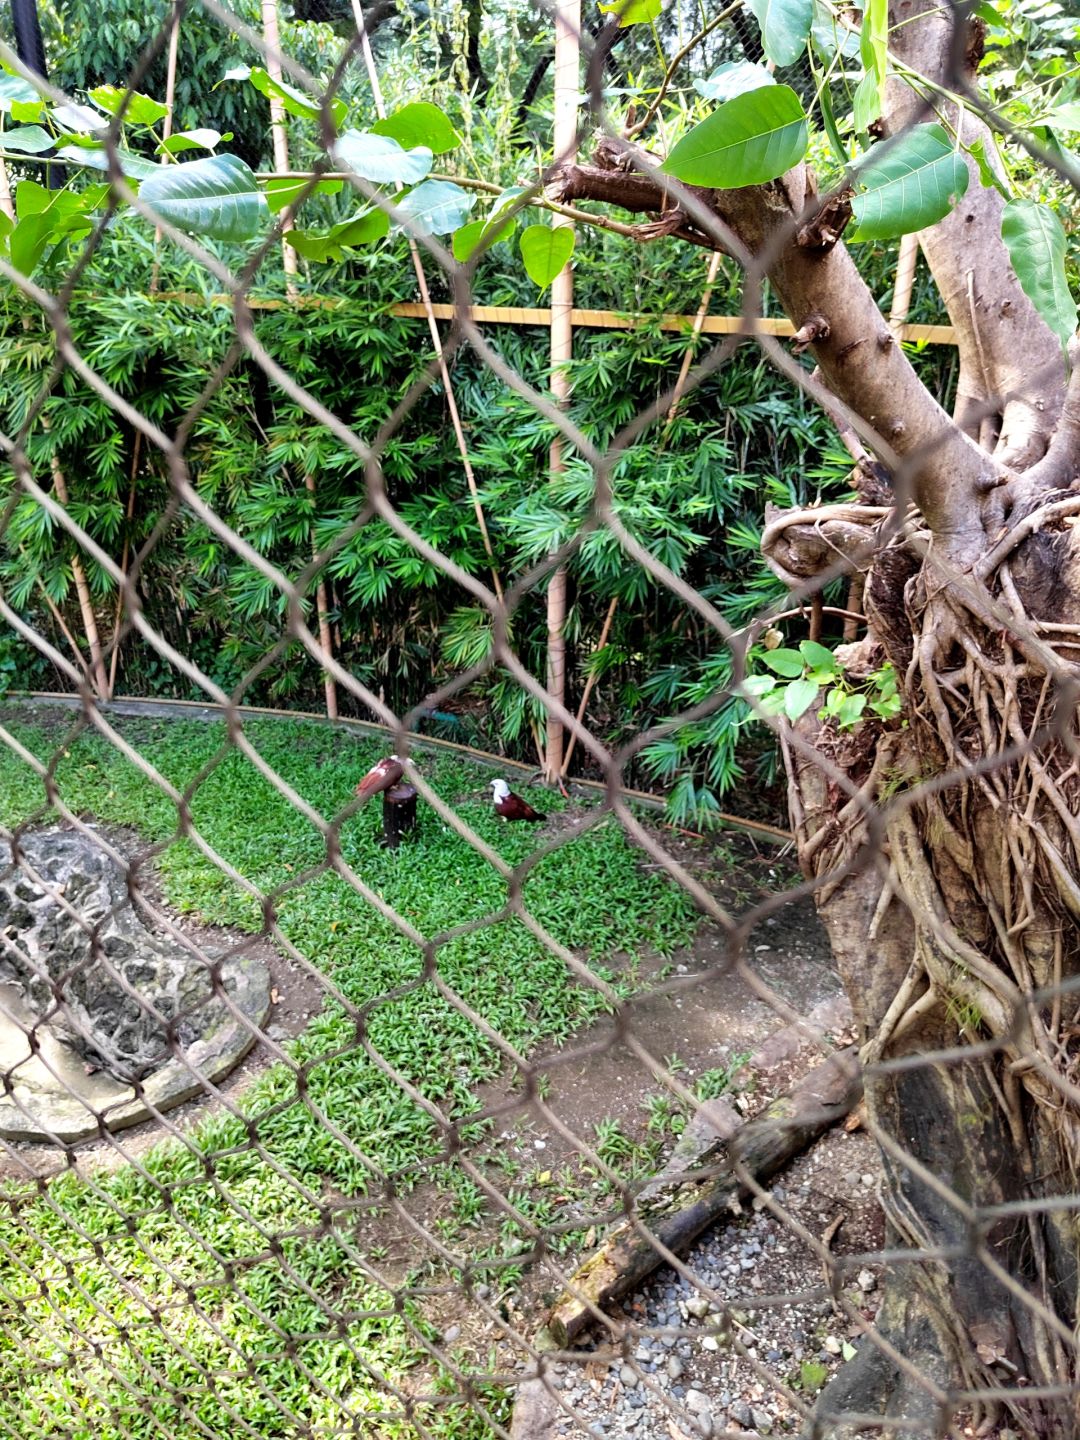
{"type": "Point", "coordinates": [420, 1205]}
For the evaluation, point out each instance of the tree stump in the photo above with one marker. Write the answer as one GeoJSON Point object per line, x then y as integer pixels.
{"type": "Point", "coordinates": [398, 813]}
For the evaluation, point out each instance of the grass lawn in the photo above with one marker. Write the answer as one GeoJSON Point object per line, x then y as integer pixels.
{"type": "Point", "coordinates": [203, 1291]}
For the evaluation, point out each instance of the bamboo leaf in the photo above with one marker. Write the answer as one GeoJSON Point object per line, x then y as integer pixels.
{"type": "Point", "coordinates": [216, 197]}
{"type": "Point", "coordinates": [753, 138]}
{"type": "Point", "coordinates": [1035, 240]}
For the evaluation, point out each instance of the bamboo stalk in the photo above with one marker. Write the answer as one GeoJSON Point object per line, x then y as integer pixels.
{"type": "Point", "coordinates": [114, 659]}
{"type": "Point", "coordinates": [279, 134]}
{"type": "Point", "coordinates": [428, 310]}
{"type": "Point", "coordinates": [82, 590]}
{"type": "Point", "coordinates": [567, 84]}
{"type": "Point", "coordinates": [322, 602]}
{"type": "Point", "coordinates": [166, 128]}
{"type": "Point", "coordinates": [904, 282]}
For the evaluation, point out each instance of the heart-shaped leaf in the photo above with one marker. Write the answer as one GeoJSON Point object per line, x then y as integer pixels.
{"type": "Point", "coordinates": [139, 110]}
{"type": "Point", "coordinates": [470, 237]}
{"type": "Point", "coordinates": [380, 159]}
{"type": "Point", "coordinates": [733, 78]}
{"type": "Point", "coordinates": [294, 102]}
{"type": "Point", "coordinates": [785, 662]}
{"type": "Point", "coordinates": [751, 139]}
{"type": "Point", "coordinates": [1036, 244]}
{"type": "Point", "coordinates": [437, 207]}
{"type": "Point", "coordinates": [785, 24]}
{"type": "Point", "coordinates": [907, 184]}
{"type": "Point", "coordinates": [420, 123]}
{"type": "Point", "coordinates": [818, 657]}
{"type": "Point", "coordinates": [798, 697]}
{"type": "Point", "coordinates": [545, 250]}
{"type": "Point", "coordinates": [215, 197]}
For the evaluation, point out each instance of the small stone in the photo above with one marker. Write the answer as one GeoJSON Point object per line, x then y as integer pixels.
{"type": "Point", "coordinates": [697, 1306]}
{"type": "Point", "coordinates": [628, 1376]}
{"type": "Point", "coordinates": [710, 1342]}
{"type": "Point", "coordinates": [762, 1421]}
{"type": "Point", "coordinates": [697, 1401]}
{"type": "Point", "coordinates": [867, 1280]}
{"type": "Point", "coordinates": [482, 1291]}
{"type": "Point", "coordinates": [740, 1412]}
{"type": "Point", "coordinates": [704, 1423]}
{"type": "Point", "coordinates": [674, 1367]}
{"type": "Point", "coordinates": [867, 1180]}
{"type": "Point", "coordinates": [832, 1345]}
{"type": "Point", "coordinates": [596, 1429]}
{"type": "Point", "coordinates": [276, 1032]}
{"type": "Point", "coordinates": [451, 1334]}
{"type": "Point", "coordinates": [773, 1356]}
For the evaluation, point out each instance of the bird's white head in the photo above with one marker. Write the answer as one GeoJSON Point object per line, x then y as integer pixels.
{"type": "Point", "coordinates": [396, 757]}
{"type": "Point", "coordinates": [501, 789]}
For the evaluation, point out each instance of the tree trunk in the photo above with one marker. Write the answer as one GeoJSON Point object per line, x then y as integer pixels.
{"type": "Point", "coordinates": [946, 844]}
{"type": "Point", "coordinates": [398, 814]}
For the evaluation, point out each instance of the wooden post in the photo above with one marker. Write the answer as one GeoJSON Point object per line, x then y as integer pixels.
{"type": "Point", "coordinates": [904, 282]}
{"type": "Point", "coordinates": [398, 813]}
{"type": "Point", "coordinates": [272, 36]}
{"type": "Point", "coordinates": [567, 33]}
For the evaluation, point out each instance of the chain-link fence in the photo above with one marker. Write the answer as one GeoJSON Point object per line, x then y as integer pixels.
{"type": "Point", "coordinates": [541, 1124]}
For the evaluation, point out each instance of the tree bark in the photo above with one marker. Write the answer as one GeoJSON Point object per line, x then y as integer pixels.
{"type": "Point", "coordinates": [946, 845]}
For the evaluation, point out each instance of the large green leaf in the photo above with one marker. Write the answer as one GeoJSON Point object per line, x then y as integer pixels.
{"type": "Point", "coordinates": [285, 190]}
{"type": "Point", "coordinates": [907, 184]}
{"type": "Point", "coordinates": [14, 89]}
{"type": "Point", "coordinates": [26, 139]}
{"type": "Point", "coordinates": [436, 207]}
{"type": "Point", "coordinates": [380, 159]}
{"type": "Point", "coordinates": [362, 229]}
{"type": "Point", "coordinates": [94, 157]}
{"type": "Point", "coordinates": [202, 139]}
{"type": "Point", "coordinates": [419, 124]}
{"type": "Point", "coordinates": [751, 139]}
{"type": "Point", "coordinates": [1064, 117]}
{"type": "Point", "coordinates": [632, 12]}
{"type": "Point", "coordinates": [733, 78]}
{"type": "Point", "coordinates": [545, 249]}
{"type": "Point", "coordinates": [140, 109]}
{"type": "Point", "coordinates": [28, 241]}
{"type": "Point", "coordinates": [1036, 244]}
{"type": "Point", "coordinates": [294, 102]}
{"type": "Point", "coordinates": [785, 24]}
{"type": "Point", "coordinates": [470, 237]}
{"type": "Point", "coordinates": [216, 197]}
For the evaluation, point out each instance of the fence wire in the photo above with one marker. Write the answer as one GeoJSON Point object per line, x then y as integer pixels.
{"type": "Point", "coordinates": [177, 1272]}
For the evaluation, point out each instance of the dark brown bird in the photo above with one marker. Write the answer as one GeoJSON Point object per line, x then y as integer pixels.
{"type": "Point", "coordinates": [383, 776]}
{"type": "Point", "coordinates": [511, 806]}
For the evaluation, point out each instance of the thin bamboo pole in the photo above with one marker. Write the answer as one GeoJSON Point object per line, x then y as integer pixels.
{"type": "Point", "coordinates": [673, 410]}
{"type": "Point", "coordinates": [82, 590]}
{"type": "Point", "coordinates": [429, 311]}
{"type": "Point", "coordinates": [322, 604]}
{"type": "Point", "coordinates": [567, 84]}
{"type": "Point", "coordinates": [279, 134]}
{"type": "Point", "coordinates": [903, 283]}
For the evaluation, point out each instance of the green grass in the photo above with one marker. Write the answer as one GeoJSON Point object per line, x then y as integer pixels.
{"type": "Point", "coordinates": [209, 1276]}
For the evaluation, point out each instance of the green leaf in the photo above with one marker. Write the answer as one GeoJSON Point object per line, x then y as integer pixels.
{"type": "Point", "coordinates": [759, 685]}
{"type": "Point", "coordinates": [1035, 241]}
{"type": "Point", "coordinates": [419, 124]}
{"type": "Point", "coordinates": [785, 24]}
{"type": "Point", "coordinates": [285, 191]}
{"type": "Point", "coordinates": [733, 78]}
{"type": "Point", "coordinates": [363, 228]}
{"type": "Point", "coordinates": [849, 711]}
{"type": "Point", "coordinates": [436, 207]}
{"type": "Point", "coordinates": [27, 111]}
{"type": "Point", "coordinates": [908, 183]}
{"type": "Point", "coordinates": [784, 662]}
{"type": "Point", "coordinates": [140, 109]}
{"type": "Point", "coordinates": [988, 176]}
{"type": "Point", "coordinates": [468, 239]}
{"type": "Point", "coordinates": [79, 119]}
{"type": "Point", "coordinates": [29, 238]}
{"type": "Point", "coordinates": [506, 199]}
{"type": "Point", "coordinates": [26, 140]}
{"type": "Point", "coordinates": [1064, 117]}
{"type": "Point", "coordinates": [545, 250]}
{"type": "Point", "coordinates": [747, 141]}
{"type": "Point", "coordinates": [380, 159]}
{"type": "Point", "coordinates": [13, 88]}
{"type": "Point", "coordinates": [633, 12]}
{"type": "Point", "coordinates": [192, 140]}
{"type": "Point", "coordinates": [874, 49]}
{"type": "Point", "coordinates": [818, 657]}
{"type": "Point", "coordinates": [94, 157]}
{"type": "Point", "coordinates": [216, 197]}
{"type": "Point", "coordinates": [294, 102]}
{"type": "Point", "coordinates": [798, 697]}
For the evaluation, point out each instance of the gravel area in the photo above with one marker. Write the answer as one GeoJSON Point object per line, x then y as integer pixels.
{"type": "Point", "coordinates": [692, 1366]}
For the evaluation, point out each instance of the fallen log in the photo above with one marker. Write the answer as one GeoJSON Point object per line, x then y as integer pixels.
{"type": "Point", "coordinates": [677, 1208]}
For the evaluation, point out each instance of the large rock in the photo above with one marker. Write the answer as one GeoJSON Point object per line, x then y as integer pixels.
{"type": "Point", "coordinates": [92, 994]}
